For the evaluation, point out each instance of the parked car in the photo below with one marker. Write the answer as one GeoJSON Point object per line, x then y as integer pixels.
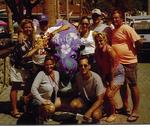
{"type": "Point", "coordinates": [142, 26]}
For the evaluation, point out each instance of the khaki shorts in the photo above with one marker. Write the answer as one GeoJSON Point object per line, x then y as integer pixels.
{"type": "Point", "coordinates": [18, 75]}
{"type": "Point", "coordinates": [130, 73]}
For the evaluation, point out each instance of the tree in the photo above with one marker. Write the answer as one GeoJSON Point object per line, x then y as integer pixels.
{"type": "Point", "coordinates": [124, 5]}
{"type": "Point", "coordinates": [29, 5]}
{"type": "Point", "coordinates": [17, 8]}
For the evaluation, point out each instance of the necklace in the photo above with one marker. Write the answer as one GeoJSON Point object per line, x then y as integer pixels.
{"type": "Point", "coordinates": [52, 76]}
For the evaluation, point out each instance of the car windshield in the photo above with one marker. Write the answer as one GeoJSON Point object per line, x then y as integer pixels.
{"type": "Point", "coordinates": [141, 24]}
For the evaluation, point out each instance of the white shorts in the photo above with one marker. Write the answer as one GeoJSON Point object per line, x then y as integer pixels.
{"type": "Point", "coordinates": [18, 75]}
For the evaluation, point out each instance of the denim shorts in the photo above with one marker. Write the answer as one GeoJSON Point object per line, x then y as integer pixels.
{"type": "Point", "coordinates": [119, 75]}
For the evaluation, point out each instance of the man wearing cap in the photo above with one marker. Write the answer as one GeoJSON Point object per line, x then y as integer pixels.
{"type": "Point", "coordinates": [98, 25]}
{"type": "Point", "coordinates": [43, 25]}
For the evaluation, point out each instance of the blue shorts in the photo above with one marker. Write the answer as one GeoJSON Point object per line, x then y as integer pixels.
{"type": "Point", "coordinates": [119, 75]}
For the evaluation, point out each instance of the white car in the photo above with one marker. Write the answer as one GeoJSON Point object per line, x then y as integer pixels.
{"type": "Point", "coordinates": [142, 26]}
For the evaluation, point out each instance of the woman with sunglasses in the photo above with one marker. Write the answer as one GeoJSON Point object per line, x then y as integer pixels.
{"type": "Point", "coordinates": [111, 71]}
{"type": "Point", "coordinates": [86, 36]}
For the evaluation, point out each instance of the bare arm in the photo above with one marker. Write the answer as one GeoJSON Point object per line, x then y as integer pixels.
{"type": "Point", "coordinates": [39, 44]}
{"type": "Point", "coordinates": [111, 51]}
{"type": "Point", "coordinates": [112, 54]}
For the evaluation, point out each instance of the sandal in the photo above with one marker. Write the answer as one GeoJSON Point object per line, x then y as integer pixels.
{"type": "Point", "coordinates": [123, 111]}
{"type": "Point", "coordinates": [132, 118]}
{"type": "Point", "coordinates": [16, 115]}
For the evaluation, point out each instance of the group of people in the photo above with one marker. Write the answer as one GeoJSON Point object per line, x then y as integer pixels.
{"type": "Point", "coordinates": [107, 64]}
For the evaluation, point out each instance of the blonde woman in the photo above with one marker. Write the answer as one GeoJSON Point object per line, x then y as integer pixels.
{"type": "Point", "coordinates": [111, 71]}
{"type": "Point", "coordinates": [20, 67]}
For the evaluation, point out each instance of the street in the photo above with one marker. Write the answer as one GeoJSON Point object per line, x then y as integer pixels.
{"type": "Point", "coordinates": [144, 108]}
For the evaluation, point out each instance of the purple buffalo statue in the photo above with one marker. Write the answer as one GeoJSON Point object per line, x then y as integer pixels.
{"type": "Point", "coordinates": [67, 50]}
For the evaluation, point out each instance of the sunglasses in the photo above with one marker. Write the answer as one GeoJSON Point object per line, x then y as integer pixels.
{"type": "Point", "coordinates": [95, 16]}
{"type": "Point", "coordinates": [85, 24]}
{"type": "Point", "coordinates": [83, 65]}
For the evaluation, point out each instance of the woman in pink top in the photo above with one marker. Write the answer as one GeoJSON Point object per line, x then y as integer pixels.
{"type": "Point", "coordinates": [111, 71]}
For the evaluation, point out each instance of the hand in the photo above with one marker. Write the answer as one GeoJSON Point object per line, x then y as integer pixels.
{"type": "Point", "coordinates": [110, 93]}
{"type": "Point", "coordinates": [47, 102]}
{"type": "Point", "coordinates": [21, 38]}
{"type": "Point", "coordinates": [106, 47]}
{"type": "Point", "coordinates": [50, 35]}
{"type": "Point", "coordinates": [57, 102]}
{"type": "Point", "coordinates": [47, 110]}
{"type": "Point", "coordinates": [87, 115]}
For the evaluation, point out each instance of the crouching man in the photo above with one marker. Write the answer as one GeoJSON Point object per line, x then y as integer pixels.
{"type": "Point", "coordinates": [89, 91]}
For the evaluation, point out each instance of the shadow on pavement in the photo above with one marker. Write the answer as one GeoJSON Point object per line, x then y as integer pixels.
{"type": "Point", "coordinates": [26, 119]}
{"type": "Point", "coordinates": [5, 107]}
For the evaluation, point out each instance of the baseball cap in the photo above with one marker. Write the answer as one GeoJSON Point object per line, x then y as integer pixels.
{"type": "Point", "coordinates": [43, 18]}
{"type": "Point", "coordinates": [96, 11]}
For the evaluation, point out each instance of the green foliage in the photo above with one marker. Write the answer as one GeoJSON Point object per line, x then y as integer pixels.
{"type": "Point", "coordinates": [17, 8]}
{"type": "Point", "coordinates": [124, 5]}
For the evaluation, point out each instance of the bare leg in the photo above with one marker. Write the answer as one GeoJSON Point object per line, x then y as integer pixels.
{"type": "Point", "coordinates": [135, 98]}
{"type": "Point", "coordinates": [124, 96]}
{"type": "Point", "coordinates": [110, 95]}
{"type": "Point", "coordinates": [97, 115]}
{"type": "Point", "coordinates": [13, 98]}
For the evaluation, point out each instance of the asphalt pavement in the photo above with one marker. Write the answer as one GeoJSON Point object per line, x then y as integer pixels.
{"type": "Point", "coordinates": [144, 107]}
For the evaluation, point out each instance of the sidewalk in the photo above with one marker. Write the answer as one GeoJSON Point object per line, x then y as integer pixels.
{"type": "Point", "coordinates": [5, 108]}
{"type": "Point", "coordinates": [144, 86]}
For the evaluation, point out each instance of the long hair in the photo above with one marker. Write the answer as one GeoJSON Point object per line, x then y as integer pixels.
{"type": "Point", "coordinates": [50, 57]}
{"type": "Point", "coordinates": [84, 17]}
{"type": "Point", "coordinates": [103, 36]}
{"type": "Point", "coordinates": [23, 23]}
